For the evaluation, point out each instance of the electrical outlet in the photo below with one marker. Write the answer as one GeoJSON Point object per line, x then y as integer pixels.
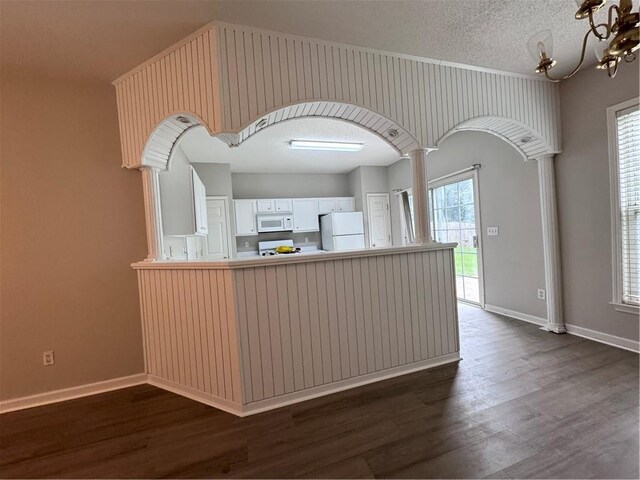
{"type": "Point", "coordinates": [541, 294]}
{"type": "Point", "coordinates": [246, 244]}
{"type": "Point", "coordinates": [492, 231]}
{"type": "Point", "coordinates": [306, 239]}
{"type": "Point", "coordinates": [48, 358]}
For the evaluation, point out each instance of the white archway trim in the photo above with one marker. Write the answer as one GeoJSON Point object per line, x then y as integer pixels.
{"type": "Point", "coordinates": [522, 138]}
{"type": "Point", "coordinates": [162, 140]}
{"type": "Point", "coordinates": [398, 137]}
{"type": "Point", "coordinates": [551, 245]}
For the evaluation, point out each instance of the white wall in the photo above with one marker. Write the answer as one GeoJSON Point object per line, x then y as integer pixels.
{"type": "Point", "coordinates": [216, 178]}
{"type": "Point", "coordinates": [176, 198]}
{"type": "Point", "coordinates": [284, 185]}
{"type": "Point", "coordinates": [582, 177]}
{"type": "Point", "coordinates": [509, 199]}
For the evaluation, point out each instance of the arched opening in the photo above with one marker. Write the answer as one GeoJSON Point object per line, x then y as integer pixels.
{"type": "Point", "coordinates": [526, 141]}
{"type": "Point", "coordinates": [400, 138]}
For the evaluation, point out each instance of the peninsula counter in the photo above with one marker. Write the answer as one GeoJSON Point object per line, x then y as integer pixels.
{"type": "Point", "coordinates": [249, 335]}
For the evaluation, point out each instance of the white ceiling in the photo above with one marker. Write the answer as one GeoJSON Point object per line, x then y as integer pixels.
{"type": "Point", "coordinates": [268, 151]}
{"type": "Point", "coordinates": [104, 39]}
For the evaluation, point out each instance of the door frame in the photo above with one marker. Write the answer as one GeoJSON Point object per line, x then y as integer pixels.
{"type": "Point", "coordinates": [472, 174]}
{"type": "Point", "coordinates": [373, 194]}
{"type": "Point", "coordinates": [230, 237]}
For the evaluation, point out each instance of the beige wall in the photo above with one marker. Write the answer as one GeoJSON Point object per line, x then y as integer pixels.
{"type": "Point", "coordinates": [582, 177]}
{"type": "Point", "coordinates": [509, 199]}
{"type": "Point", "coordinates": [71, 223]}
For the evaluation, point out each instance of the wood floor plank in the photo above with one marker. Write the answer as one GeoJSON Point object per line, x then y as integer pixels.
{"type": "Point", "coordinates": [522, 403]}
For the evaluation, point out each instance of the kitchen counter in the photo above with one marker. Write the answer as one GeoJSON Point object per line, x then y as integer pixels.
{"type": "Point", "coordinates": [249, 335]}
{"type": "Point", "coordinates": [303, 257]}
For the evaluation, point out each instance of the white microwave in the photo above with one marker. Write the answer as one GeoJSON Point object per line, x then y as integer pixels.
{"type": "Point", "coordinates": [275, 223]}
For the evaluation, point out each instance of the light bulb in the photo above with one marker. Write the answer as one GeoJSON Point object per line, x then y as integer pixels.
{"type": "Point", "coordinates": [540, 45]}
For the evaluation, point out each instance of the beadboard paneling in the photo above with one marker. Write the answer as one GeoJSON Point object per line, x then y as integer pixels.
{"type": "Point", "coordinates": [190, 334]}
{"type": "Point", "coordinates": [263, 72]}
{"type": "Point", "coordinates": [311, 324]}
{"type": "Point", "coordinates": [181, 80]}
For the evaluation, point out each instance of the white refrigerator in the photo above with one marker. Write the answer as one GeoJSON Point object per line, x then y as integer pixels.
{"type": "Point", "coordinates": [342, 231]}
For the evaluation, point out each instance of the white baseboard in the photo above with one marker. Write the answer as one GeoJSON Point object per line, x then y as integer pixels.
{"type": "Point", "coordinates": [71, 393]}
{"type": "Point", "coordinates": [335, 387]}
{"type": "Point", "coordinates": [217, 402]}
{"type": "Point", "coordinates": [587, 333]}
{"type": "Point", "coordinates": [198, 396]}
{"type": "Point", "coordinates": [602, 337]}
{"type": "Point", "coordinates": [517, 315]}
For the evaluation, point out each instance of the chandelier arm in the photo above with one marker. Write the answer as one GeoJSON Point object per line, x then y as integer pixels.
{"type": "Point", "coordinates": [584, 49]}
{"type": "Point", "coordinates": [607, 26]}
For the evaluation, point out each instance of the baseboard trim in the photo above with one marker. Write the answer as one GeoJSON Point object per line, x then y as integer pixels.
{"type": "Point", "coordinates": [517, 315]}
{"type": "Point", "coordinates": [198, 396]}
{"type": "Point", "coordinates": [71, 393]}
{"type": "Point", "coordinates": [605, 338]}
{"type": "Point", "coordinates": [587, 333]}
{"type": "Point", "coordinates": [335, 387]}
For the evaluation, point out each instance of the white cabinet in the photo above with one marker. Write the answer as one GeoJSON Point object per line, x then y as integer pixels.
{"type": "Point", "coordinates": [346, 204]}
{"type": "Point", "coordinates": [335, 204]}
{"type": "Point", "coordinates": [283, 205]}
{"type": "Point", "coordinates": [199, 203]}
{"type": "Point", "coordinates": [327, 205]}
{"type": "Point", "coordinates": [184, 247]}
{"type": "Point", "coordinates": [266, 206]}
{"type": "Point", "coordinates": [245, 214]}
{"type": "Point", "coordinates": [305, 215]}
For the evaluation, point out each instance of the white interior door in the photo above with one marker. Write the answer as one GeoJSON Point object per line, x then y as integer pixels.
{"type": "Point", "coordinates": [218, 223]}
{"type": "Point", "coordinates": [379, 218]}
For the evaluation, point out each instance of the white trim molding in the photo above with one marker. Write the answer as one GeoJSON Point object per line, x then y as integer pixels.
{"type": "Point", "coordinates": [71, 393]}
{"type": "Point", "coordinates": [551, 244]}
{"type": "Point", "coordinates": [606, 338]}
{"type": "Point", "coordinates": [594, 335]}
{"type": "Point", "coordinates": [517, 315]}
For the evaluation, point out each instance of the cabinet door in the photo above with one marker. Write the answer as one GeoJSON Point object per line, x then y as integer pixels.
{"type": "Point", "coordinates": [199, 203]}
{"type": "Point", "coordinates": [346, 204]}
{"type": "Point", "coordinates": [245, 213]}
{"type": "Point", "coordinates": [283, 205]}
{"type": "Point", "coordinates": [266, 206]}
{"type": "Point", "coordinates": [327, 205]}
{"type": "Point", "coordinates": [305, 215]}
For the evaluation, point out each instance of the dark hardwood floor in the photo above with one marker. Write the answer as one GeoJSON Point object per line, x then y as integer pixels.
{"type": "Point", "coordinates": [523, 403]}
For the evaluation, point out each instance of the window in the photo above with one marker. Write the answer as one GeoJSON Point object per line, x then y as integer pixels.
{"type": "Point", "coordinates": [624, 144]}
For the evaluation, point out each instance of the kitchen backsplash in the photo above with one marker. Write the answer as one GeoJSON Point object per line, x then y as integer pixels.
{"type": "Point", "coordinates": [250, 244]}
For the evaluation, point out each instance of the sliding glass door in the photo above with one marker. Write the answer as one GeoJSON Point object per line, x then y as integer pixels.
{"type": "Point", "coordinates": [453, 219]}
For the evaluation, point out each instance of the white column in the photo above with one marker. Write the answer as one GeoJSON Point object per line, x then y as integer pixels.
{"type": "Point", "coordinates": [551, 245]}
{"type": "Point", "coordinates": [153, 213]}
{"type": "Point", "coordinates": [420, 206]}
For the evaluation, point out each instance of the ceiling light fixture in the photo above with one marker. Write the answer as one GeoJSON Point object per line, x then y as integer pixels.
{"type": "Point", "coordinates": [609, 53]}
{"type": "Point", "coordinates": [331, 146]}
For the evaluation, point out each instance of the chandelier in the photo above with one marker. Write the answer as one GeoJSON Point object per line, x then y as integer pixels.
{"type": "Point", "coordinates": [618, 39]}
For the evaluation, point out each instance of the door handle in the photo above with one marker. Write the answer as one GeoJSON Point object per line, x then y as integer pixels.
{"type": "Point", "coordinates": [475, 241]}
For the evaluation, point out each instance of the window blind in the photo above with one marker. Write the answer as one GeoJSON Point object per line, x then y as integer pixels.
{"type": "Point", "coordinates": [628, 147]}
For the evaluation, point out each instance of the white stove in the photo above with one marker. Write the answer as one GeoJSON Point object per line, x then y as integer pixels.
{"type": "Point", "coordinates": [267, 249]}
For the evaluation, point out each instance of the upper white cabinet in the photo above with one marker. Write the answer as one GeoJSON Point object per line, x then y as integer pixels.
{"type": "Point", "coordinates": [266, 206]}
{"type": "Point", "coordinates": [335, 204]}
{"type": "Point", "coordinates": [346, 204]}
{"type": "Point", "coordinates": [199, 203]}
{"type": "Point", "coordinates": [284, 205]}
{"type": "Point", "coordinates": [327, 205]}
{"type": "Point", "coordinates": [245, 214]}
{"type": "Point", "coordinates": [305, 215]}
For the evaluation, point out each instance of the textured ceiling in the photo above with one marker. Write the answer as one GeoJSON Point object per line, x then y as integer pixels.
{"type": "Point", "coordinates": [103, 39]}
{"type": "Point", "coordinates": [268, 150]}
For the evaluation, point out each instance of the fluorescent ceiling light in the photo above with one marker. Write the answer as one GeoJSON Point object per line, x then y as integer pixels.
{"type": "Point", "coordinates": [333, 146]}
